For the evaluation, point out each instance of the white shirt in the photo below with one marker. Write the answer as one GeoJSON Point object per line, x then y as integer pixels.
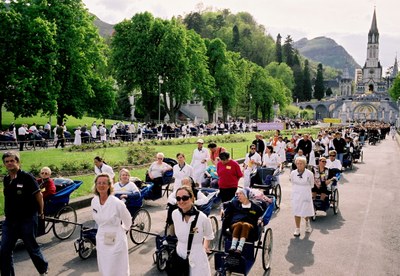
{"type": "Point", "coordinates": [104, 169]}
{"type": "Point", "coordinates": [22, 131]}
{"type": "Point", "coordinates": [333, 165]}
{"type": "Point", "coordinates": [271, 161]}
{"type": "Point", "coordinates": [180, 173]}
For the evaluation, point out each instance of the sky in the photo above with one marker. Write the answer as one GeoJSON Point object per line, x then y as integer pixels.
{"type": "Point", "coordinates": [345, 21]}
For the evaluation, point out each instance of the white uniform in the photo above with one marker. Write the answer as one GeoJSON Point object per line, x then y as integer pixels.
{"type": "Point", "coordinates": [180, 173]}
{"type": "Point", "coordinates": [311, 160]}
{"type": "Point", "coordinates": [111, 240]}
{"type": "Point", "coordinates": [129, 188]}
{"type": "Point", "coordinates": [93, 131]}
{"type": "Point", "coordinates": [280, 150]}
{"type": "Point", "coordinates": [333, 165]}
{"type": "Point", "coordinates": [271, 161]}
{"type": "Point", "coordinates": [104, 169]}
{"type": "Point", "coordinates": [78, 139]}
{"type": "Point", "coordinates": [198, 167]}
{"type": "Point", "coordinates": [302, 204]}
{"type": "Point", "coordinates": [250, 165]}
{"type": "Point", "coordinates": [198, 260]}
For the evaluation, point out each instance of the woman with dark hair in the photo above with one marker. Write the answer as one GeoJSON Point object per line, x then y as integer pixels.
{"type": "Point", "coordinates": [191, 225]}
{"type": "Point", "coordinates": [229, 173]}
{"type": "Point", "coordinates": [100, 166]}
{"type": "Point", "coordinates": [113, 220]}
{"type": "Point", "coordinates": [181, 170]}
{"type": "Point", "coordinates": [270, 158]}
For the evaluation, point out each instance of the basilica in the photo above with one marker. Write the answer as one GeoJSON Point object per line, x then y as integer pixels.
{"type": "Point", "coordinates": [366, 96]}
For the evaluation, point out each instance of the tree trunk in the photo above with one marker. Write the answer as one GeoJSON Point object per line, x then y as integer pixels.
{"type": "Point", "coordinates": [1, 112]}
{"type": "Point", "coordinates": [60, 118]}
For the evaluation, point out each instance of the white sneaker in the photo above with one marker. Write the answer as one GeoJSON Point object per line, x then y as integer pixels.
{"type": "Point", "coordinates": [308, 227]}
{"type": "Point", "coordinates": [296, 232]}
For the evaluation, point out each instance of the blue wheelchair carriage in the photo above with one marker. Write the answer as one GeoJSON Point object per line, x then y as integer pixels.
{"type": "Point", "coordinates": [139, 231]}
{"type": "Point", "coordinates": [260, 237]}
{"type": "Point", "coordinates": [332, 198]}
{"type": "Point", "coordinates": [59, 215]}
{"type": "Point", "coordinates": [166, 244]}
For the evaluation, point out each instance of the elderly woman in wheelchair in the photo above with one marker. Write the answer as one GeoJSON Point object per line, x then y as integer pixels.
{"type": "Point", "coordinates": [243, 215]}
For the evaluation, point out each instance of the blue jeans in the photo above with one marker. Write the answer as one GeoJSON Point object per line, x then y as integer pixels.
{"type": "Point", "coordinates": [340, 157]}
{"type": "Point", "coordinates": [24, 229]}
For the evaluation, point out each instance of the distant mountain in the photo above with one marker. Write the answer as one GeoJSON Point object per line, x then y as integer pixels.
{"type": "Point", "coordinates": [105, 29]}
{"type": "Point", "coordinates": [328, 52]}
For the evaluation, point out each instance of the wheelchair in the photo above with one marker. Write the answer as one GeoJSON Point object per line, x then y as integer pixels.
{"type": "Point", "coordinates": [266, 179]}
{"type": "Point", "coordinates": [260, 238]}
{"type": "Point", "coordinates": [332, 199]}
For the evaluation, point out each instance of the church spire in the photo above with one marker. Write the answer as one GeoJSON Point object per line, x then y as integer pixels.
{"type": "Point", "coordinates": [373, 35]}
{"type": "Point", "coordinates": [395, 71]}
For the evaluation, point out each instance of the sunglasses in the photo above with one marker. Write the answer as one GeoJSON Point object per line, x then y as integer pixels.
{"type": "Point", "coordinates": [322, 161]}
{"type": "Point", "coordinates": [44, 173]}
{"type": "Point", "coordinates": [252, 148]}
{"type": "Point", "coordinates": [333, 155]}
{"type": "Point", "coordinates": [183, 198]}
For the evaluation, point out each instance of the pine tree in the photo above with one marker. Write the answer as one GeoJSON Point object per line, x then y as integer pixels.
{"type": "Point", "coordinates": [235, 39]}
{"type": "Point", "coordinates": [319, 83]}
{"type": "Point", "coordinates": [307, 88]}
{"type": "Point", "coordinates": [298, 80]}
{"type": "Point", "coordinates": [288, 51]}
{"type": "Point", "coordinates": [278, 49]}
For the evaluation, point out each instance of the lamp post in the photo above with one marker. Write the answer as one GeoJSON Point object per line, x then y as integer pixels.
{"type": "Point", "coordinates": [160, 81]}
{"type": "Point", "coordinates": [250, 97]}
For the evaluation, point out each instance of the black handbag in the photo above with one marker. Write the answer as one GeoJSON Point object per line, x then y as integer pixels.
{"type": "Point", "coordinates": [177, 266]}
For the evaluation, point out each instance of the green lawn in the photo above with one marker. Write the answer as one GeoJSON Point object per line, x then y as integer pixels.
{"type": "Point", "coordinates": [115, 155]}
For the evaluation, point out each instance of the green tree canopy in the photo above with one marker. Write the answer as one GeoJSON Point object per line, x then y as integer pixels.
{"type": "Point", "coordinates": [307, 87]}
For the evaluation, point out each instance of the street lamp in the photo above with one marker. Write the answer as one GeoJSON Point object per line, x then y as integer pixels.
{"type": "Point", "coordinates": [250, 97]}
{"type": "Point", "coordinates": [160, 81]}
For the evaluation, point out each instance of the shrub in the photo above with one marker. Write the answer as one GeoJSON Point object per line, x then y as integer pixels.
{"type": "Point", "coordinates": [139, 155]}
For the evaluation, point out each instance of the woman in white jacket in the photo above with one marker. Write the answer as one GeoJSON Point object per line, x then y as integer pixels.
{"type": "Point", "coordinates": [113, 220]}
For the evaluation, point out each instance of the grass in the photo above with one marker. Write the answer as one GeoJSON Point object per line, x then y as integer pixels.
{"type": "Point", "coordinates": [112, 155]}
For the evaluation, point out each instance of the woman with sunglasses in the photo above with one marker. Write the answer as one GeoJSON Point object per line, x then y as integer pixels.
{"type": "Point", "coordinates": [46, 184]}
{"type": "Point", "coordinates": [252, 161]}
{"type": "Point", "coordinates": [183, 218]}
{"type": "Point", "coordinates": [332, 162]}
{"type": "Point", "coordinates": [321, 181]}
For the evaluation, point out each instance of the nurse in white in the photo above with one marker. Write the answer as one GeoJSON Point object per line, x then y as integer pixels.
{"type": "Point", "coordinates": [181, 170]}
{"type": "Point", "coordinates": [252, 161]}
{"type": "Point", "coordinates": [199, 162]}
{"type": "Point", "coordinates": [113, 220]}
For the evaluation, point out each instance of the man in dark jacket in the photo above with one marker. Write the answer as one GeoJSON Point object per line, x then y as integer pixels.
{"type": "Point", "coordinates": [340, 146]}
{"type": "Point", "coordinates": [305, 145]}
{"type": "Point", "coordinates": [260, 145]}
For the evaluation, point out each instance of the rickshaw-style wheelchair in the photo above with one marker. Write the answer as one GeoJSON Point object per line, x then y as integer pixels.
{"type": "Point", "coordinates": [260, 237]}
{"type": "Point", "coordinates": [59, 216]}
{"type": "Point", "coordinates": [139, 231]}
{"type": "Point", "coordinates": [266, 179]}
{"type": "Point", "coordinates": [332, 199]}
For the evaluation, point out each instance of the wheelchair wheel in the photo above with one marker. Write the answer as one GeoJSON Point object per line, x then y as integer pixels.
{"type": "Point", "coordinates": [168, 189]}
{"type": "Point", "coordinates": [161, 259]}
{"type": "Point", "coordinates": [85, 248]}
{"type": "Point", "coordinates": [214, 224]}
{"type": "Point", "coordinates": [141, 224]}
{"type": "Point", "coordinates": [63, 229]}
{"type": "Point", "coordinates": [335, 199]}
{"type": "Point", "coordinates": [278, 195]}
{"type": "Point", "coordinates": [267, 249]}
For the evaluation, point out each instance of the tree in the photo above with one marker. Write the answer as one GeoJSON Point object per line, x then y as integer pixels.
{"type": "Point", "coordinates": [298, 89]}
{"type": "Point", "coordinates": [27, 54]}
{"type": "Point", "coordinates": [235, 39]}
{"type": "Point", "coordinates": [288, 51]}
{"type": "Point", "coordinates": [194, 21]}
{"type": "Point", "coordinates": [80, 66]}
{"type": "Point", "coordinates": [307, 87]}
{"type": "Point", "coordinates": [394, 91]}
{"type": "Point", "coordinates": [319, 88]}
{"type": "Point", "coordinates": [278, 49]}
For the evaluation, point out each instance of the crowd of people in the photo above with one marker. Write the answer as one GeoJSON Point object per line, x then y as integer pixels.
{"type": "Point", "coordinates": [210, 167]}
{"type": "Point", "coordinates": [60, 134]}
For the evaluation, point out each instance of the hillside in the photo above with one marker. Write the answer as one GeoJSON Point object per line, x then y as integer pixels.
{"type": "Point", "coordinates": [328, 52]}
{"type": "Point", "coordinates": [105, 29]}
